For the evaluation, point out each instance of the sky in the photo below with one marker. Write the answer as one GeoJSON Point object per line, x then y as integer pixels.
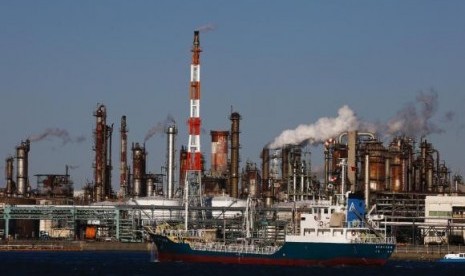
{"type": "Point", "coordinates": [280, 64]}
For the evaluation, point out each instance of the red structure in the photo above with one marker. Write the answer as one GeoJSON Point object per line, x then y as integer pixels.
{"type": "Point", "coordinates": [193, 151]}
{"type": "Point", "coordinates": [219, 157]}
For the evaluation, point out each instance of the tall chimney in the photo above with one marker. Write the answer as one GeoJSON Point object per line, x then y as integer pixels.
{"type": "Point", "coordinates": [171, 132]}
{"type": "Point", "coordinates": [234, 177]}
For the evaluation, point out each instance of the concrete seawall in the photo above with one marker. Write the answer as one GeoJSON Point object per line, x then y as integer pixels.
{"type": "Point", "coordinates": [27, 245]}
{"type": "Point", "coordinates": [402, 252]}
{"type": "Point", "coordinates": [424, 252]}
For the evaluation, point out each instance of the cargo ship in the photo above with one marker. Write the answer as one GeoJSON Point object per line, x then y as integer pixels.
{"type": "Point", "coordinates": [329, 234]}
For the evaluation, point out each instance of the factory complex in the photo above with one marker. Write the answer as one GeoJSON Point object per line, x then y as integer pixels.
{"type": "Point", "coordinates": [418, 199]}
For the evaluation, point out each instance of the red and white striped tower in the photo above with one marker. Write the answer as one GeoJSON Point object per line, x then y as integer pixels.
{"type": "Point", "coordinates": [192, 183]}
{"type": "Point", "coordinates": [193, 153]}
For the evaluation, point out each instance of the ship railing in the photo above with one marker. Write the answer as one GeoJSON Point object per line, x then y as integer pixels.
{"type": "Point", "coordinates": [235, 248]}
{"type": "Point", "coordinates": [375, 239]}
{"type": "Point", "coordinates": [183, 233]}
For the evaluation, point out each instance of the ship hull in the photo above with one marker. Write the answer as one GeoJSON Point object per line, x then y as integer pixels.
{"type": "Point", "coordinates": [290, 254]}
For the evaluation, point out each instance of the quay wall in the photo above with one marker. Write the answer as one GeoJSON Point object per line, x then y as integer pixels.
{"type": "Point", "coordinates": [426, 253]}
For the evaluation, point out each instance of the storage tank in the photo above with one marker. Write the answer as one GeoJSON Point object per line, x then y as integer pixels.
{"type": "Point", "coordinates": [158, 214]}
{"type": "Point", "coordinates": [227, 201]}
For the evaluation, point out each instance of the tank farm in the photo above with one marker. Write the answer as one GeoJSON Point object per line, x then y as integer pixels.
{"type": "Point", "coordinates": [398, 178]}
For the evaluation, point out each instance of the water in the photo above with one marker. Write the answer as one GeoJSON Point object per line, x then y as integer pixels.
{"type": "Point", "coordinates": [140, 263]}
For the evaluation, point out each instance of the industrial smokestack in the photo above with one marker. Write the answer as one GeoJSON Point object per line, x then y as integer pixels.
{"type": "Point", "coordinates": [22, 179]}
{"type": "Point", "coordinates": [234, 177]}
{"type": "Point", "coordinates": [10, 184]}
{"type": "Point", "coordinates": [196, 42]}
{"type": "Point", "coordinates": [171, 132]}
{"type": "Point", "coordinates": [123, 159]}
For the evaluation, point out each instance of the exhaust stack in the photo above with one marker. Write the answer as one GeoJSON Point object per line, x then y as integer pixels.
{"type": "Point", "coordinates": [171, 132]}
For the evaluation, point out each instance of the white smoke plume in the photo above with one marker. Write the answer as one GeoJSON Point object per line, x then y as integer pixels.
{"type": "Point", "coordinates": [159, 127]}
{"type": "Point", "coordinates": [415, 118]}
{"type": "Point", "coordinates": [206, 28]}
{"type": "Point", "coordinates": [62, 134]}
{"type": "Point", "coordinates": [319, 131]}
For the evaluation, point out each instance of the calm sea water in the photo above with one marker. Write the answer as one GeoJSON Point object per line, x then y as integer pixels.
{"type": "Point", "coordinates": [140, 263]}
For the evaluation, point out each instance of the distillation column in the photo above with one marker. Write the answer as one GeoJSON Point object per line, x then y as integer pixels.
{"type": "Point", "coordinates": [234, 178]}
{"type": "Point", "coordinates": [100, 152]}
{"type": "Point", "coordinates": [10, 184]}
{"type": "Point", "coordinates": [138, 167]}
{"type": "Point", "coordinates": [123, 158]}
{"type": "Point", "coordinates": [22, 178]}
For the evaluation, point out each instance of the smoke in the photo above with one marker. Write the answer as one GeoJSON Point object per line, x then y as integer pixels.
{"type": "Point", "coordinates": [449, 116]}
{"type": "Point", "coordinates": [206, 28]}
{"type": "Point", "coordinates": [321, 130]}
{"type": "Point", "coordinates": [415, 118]}
{"type": "Point", "coordinates": [62, 134]}
{"type": "Point", "coordinates": [159, 127]}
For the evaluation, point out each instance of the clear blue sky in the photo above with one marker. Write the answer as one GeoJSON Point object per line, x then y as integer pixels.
{"type": "Point", "coordinates": [278, 63]}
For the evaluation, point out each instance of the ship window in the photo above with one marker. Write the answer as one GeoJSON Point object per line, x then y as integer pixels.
{"type": "Point", "coordinates": [302, 218]}
{"type": "Point", "coordinates": [326, 210]}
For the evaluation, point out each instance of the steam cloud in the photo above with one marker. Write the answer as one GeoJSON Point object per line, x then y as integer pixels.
{"type": "Point", "coordinates": [159, 127]}
{"type": "Point", "coordinates": [414, 119]}
{"type": "Point", "coordinates": [62, 134]}
{"type": "Point", "coordinates": [321, 130]}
